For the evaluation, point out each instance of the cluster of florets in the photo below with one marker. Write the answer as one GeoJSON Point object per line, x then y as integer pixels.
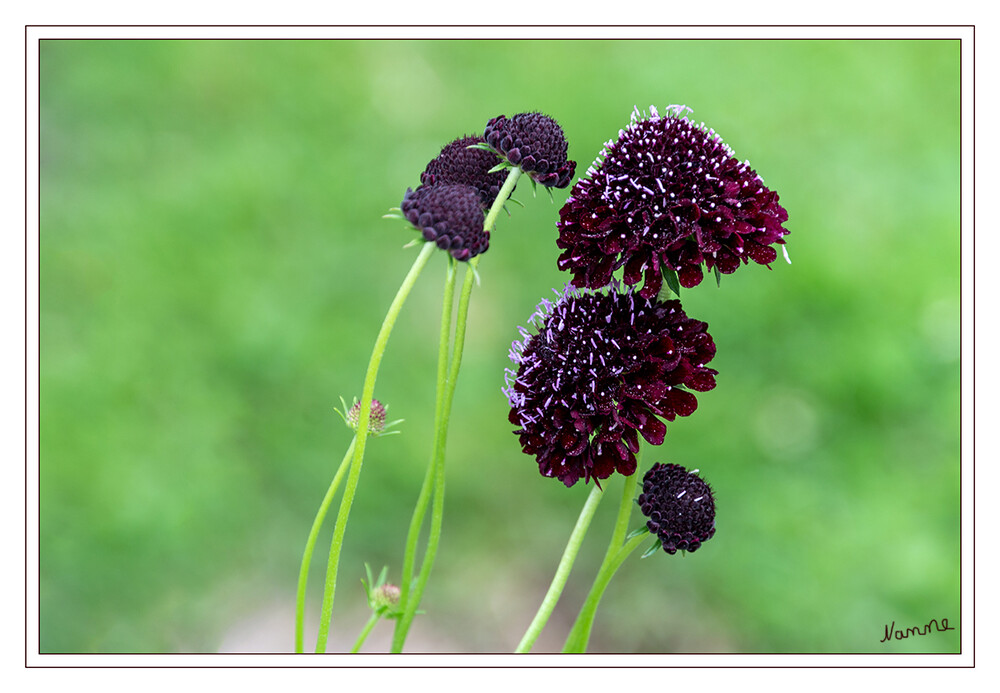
{"type": "Point", "coordinates": [535, 143]}
{"type": "Point", "coordinates": [680, 507]}
{"type": "Point", "coordinates": [471, 168]}
{"type": "Point", "coordinates": [602, 369]}
{"type": "Point", "coordinates": [462, 163]}
{"type": "Point", "coordinates": [668, 195]}
{"type": "Point", "coordinates": [450, 216]}
{"type": "Point", "coordinates": [456, 187]}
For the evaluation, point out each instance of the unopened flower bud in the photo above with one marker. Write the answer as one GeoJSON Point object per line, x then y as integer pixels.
{"type": "Point", "coordinates": [376, 418]}
{"type": "Point", "coordinates": [385, 596]}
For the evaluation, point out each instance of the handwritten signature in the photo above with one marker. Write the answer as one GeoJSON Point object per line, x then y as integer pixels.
{"type": "Point", "coordinates": [891, 631]}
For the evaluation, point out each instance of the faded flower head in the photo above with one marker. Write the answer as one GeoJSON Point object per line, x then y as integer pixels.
{"type": "Point", "coordinates": [457, 164]}
{"type": "Point", "coordinates": [680, 507]}
{"type": "Point", "coordinates": [601, 369]}
{"type": "Point", "coordinates": [376, 417]}
{"type": "Point", "coordinates": [449, 215]}
{"type": "Point", "coordinates": [668, 195]}
{"type": "Point", "coordinates": [535, 143]}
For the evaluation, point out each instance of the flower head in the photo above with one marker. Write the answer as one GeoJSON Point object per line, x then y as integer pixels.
{"type": "Point", "coordinates": [458, 164]}
{"type": "Point", "coordinates": [668, 195]}
{"type": "Point", "coordinates": [385, 596]}
{"type": "Point", "coordinates": [600, 370]}
{"type": "Point", "coordinates": [449, 215]}
{"type": "Point", "coordinates": [376, 417]}
{"type": "Point", "coordinates": [536, 144]}
{"type": "Point", "coordinates": [680, 507]}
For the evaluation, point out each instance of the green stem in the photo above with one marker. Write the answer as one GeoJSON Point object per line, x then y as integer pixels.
{"type": "Point", "coordinates": [416, 523]}
{"type": "Point", "coordinates": [579, 636]}
{"type": "Point", "coordinates": [366, 630]}
{"type": "Point", "coordinates": [436, 470]}
{"type": "Point", "coordinates": [300, 600]}
{"type": "Point", "coordinates": [412, 600]}
{"type": "Point", "coordinates": [562, 572]}
{"type": "Point", "coordinates": [362, 436]}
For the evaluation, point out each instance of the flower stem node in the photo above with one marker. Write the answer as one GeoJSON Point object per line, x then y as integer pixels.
{"type": "Point", "coordinates": [535, 143]}
{"type": "Point", "coordinates": [602, 369]}
{"type": "Point", "coordinates": [668, 195]}
{"type": "Point", "coordinates": [680, 507]}
{"type": "Point", "coordinates": [450, 216]}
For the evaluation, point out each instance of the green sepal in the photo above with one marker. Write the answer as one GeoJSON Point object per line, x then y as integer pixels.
{"type": "Point", "coordinates": [481, 145]}
{"type": "Point", "coordinates": [502, 166]}
{"type": "Point", "coordinates": [653, 549]}
{"type": "Point", "coordinates": [670, 277]}
{"type": "Point", "coordinates": [718, 276]}
{"type": "Point", "coordinates": [638, 531]}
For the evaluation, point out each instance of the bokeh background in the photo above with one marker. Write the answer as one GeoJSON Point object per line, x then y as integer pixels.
{"type": "Point", "coordinates": [214, 269]}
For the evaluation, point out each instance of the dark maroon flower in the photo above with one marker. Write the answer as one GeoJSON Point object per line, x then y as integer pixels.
{"type": "Point", "coordinates": [457, 164]}
{"type": "Point", "coordinates": [668, 195]}
{"type": "Point", "coordinates": [601, 369]}
{"type": "Point", "coordinates": [449, 215]}
{"type": "Point", "coordinates": [679, 505]}
{"type": "Point", "coordinates": [535, 143]}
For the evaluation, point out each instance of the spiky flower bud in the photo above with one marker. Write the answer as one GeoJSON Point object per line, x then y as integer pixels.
{"type": "Point", "coordinates": [376, 417]}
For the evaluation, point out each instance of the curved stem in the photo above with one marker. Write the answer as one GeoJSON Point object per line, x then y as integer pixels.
{"type": "Point", "coordinates": [562, 572]}
{"type": "Point", "coordinates": [409, 555]}
{"type": "Point", "coordinates": [300, 598]}
{"type": "Point", "coordinates": [579, 636]}
{"type": "Point", "coordinates": [412, 601]}
{"type": "Point", "coordinates": [362, 436]}
{"type": "Point", "coordinates": [365, 631]}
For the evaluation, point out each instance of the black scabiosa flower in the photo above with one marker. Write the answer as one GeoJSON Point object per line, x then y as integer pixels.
{"type": "Point", "coordinates": [457, 164]}
{"type": "Point", "coordinates": [535, 143]}
{"type": "Point", "coordinates": [680, 507]}
{"type": "Point", "coordinates": [600, 370]}
{"type": "Point", "coordinates": [668, 195]}
{"type": "Point", "coordinates": [449, 215]}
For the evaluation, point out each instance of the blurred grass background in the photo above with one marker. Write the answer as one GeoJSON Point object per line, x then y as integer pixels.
{"type": "Point", "coordinates": [214, 270]}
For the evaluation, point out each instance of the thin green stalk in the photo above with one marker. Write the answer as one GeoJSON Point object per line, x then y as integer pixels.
{"type": "Point", "coordinates": [412, 600]}
{"type": "Point", "coordinates": [362, 436]}
{"type": "Point", "coordinates": [562, 572]}
{"type": "Point", "coordinates": [300, 599]}
{"type": "Point", "coordinates": [579, 636]}
{"type": "Point", "coordinates": [365, 631]}
{"type": "Point", "coordinates": [409, 555]}
{"type": "Point", "coordinates": [436, 470]}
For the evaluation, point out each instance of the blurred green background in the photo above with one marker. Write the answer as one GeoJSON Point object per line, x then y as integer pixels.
{"type": "Point", "coordinates": [214, 270]}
